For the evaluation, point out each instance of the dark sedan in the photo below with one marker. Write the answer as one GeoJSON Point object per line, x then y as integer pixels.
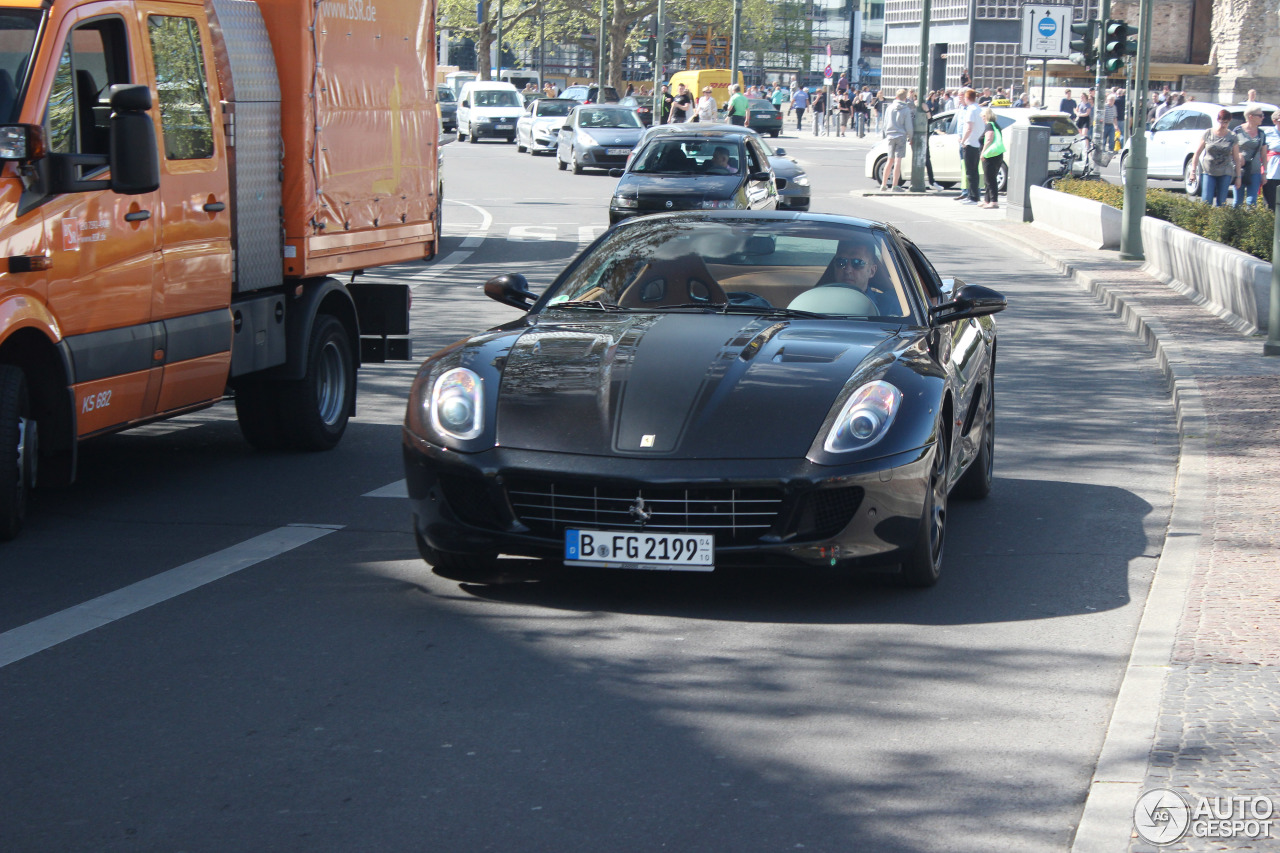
{"type": "Point", "coordinates": [448, 108]}
{"type": "Point", "coordinates": [599, 136]}
{"type": "Point", "coordinates": [763, 117]}
{"type": "Point", "coordinates": [642, 106]}
{"type": "Point", "coordinates": [698, 391]}
{"type": "Point", "coordinates": [789, 176]}
{"type": "Point", "coordinates": [685, 168]}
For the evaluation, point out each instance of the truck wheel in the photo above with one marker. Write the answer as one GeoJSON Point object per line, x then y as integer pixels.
{"type": "Point", "coordinates": [258, 412]}
{"type": "Point", "coordinates": [315, 409]}
{"type": "Point", "coordinates": [19, 450]}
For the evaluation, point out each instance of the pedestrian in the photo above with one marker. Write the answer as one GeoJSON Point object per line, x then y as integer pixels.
{"type": "Point", "coordinates": [631, 90]}
{"type": "Point", "coordinates": [844, 108]}
{"type": "Point", "coordinates": [681, 105]}
{"type": "Point", "coordinates": [964, 78]}
{"type": "Point", "coordinates": [1109, 123]}
{"type": "Point", "coordinates": [1253, 149]}
{"type": "Point", "coordinates": [1068, 105]}
{"type": "Point", "coordinates": [778, 98]}
{"type": "Point", "coordinates": [819, 108]}
{"type": "Point", "coordinates": [737, 107]}
{"type": "Point", "coordinates": [1084, 113]}
{"type": "Point", "coordinates": [898, 121]}
{"type": "Point", "coordinates": [705, 111]}
{"type": "Point", "coordinates": [799, 100]}
{"type": "Point", "coordinates": [992, 158]}
{"type": "Point", "coordinates": [1120, 113]}
{"type": "Point", "coordinates": [1273, 161]}
{"type": "Point", "coordinates": [861, 114]}
{"type": "Point", "coordinates": [971, 132]}
{"type": "Point", "coordinates": [842, 85]}
{"type": "Point", "coordinates": [877, 108]}
{"type": "Point", "coordinates": [1218, 161]}
{"type": "Point", "coordinates": [665, 108]}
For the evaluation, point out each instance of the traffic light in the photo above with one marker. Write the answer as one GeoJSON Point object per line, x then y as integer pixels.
{"type": "Point", "coordinates": [1084, 43]}
{"type": "Point", "coordinates": [1117, 44]}
{"type": "Point", "coordinates": [645, 48]}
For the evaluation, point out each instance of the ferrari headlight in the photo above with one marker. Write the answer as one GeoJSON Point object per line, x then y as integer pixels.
{"type": "Point", "coordinates": [865, 418]}
{"type": "Point", "coordinates": [457, 404]}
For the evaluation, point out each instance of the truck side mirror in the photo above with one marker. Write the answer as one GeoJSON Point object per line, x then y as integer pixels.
{"type": "Point", "coordinates": [135, 163]}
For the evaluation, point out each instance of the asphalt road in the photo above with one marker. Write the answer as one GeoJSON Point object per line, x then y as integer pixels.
{"type": "Point", "coordinates": [274, 668]}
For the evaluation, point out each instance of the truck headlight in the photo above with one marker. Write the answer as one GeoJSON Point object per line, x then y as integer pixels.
{"type": "Point", "coordinates": [457, 404]}
{"type": "Point", "coordinates": [865, 418]}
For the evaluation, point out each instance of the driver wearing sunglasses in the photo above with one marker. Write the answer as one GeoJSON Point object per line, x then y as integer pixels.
{"type": "Point", "coordinates": [854, 265]}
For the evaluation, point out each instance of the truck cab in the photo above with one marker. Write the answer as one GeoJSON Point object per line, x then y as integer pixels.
{"type": "Point", "coordinates": [149, 263]}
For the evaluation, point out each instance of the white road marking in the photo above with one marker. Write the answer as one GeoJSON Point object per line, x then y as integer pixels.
{"type": "Point", "coordinates": [531, 233]}
{"type": "Point", "coordinates": [398, 489]}
{"type": "Point", "coordinates": [476, 237]}
{"type": "Point", "coordinates": [34, 637]}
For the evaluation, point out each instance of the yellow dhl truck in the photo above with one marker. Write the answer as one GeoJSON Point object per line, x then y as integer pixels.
{"type": "Point", "coordinates": [180, 183]}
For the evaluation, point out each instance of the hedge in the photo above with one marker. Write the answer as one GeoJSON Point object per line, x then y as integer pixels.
{"type": "Point", "coordinates": [1249, 228]}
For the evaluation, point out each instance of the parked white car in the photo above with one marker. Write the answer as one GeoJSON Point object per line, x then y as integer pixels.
{"type": "Point", "coordinates": [488, 108]}
{"type": "Point", "coordinates": [1173, 138]}
{"type": "Point", "coordinates": [944, 144]}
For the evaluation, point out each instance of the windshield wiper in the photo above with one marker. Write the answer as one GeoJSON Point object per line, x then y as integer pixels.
{"type": "Point", "coordinates": [703, 305]}
{"type": "Point", "coordinates": [779, 312]}
{"type": "Point", "coordinates": [588, 303]}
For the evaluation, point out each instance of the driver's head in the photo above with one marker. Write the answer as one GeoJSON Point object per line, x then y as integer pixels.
{"type": "Point", "coordinates": [854, 263]}
{"type": "Point", "coordinates": [720, 157]}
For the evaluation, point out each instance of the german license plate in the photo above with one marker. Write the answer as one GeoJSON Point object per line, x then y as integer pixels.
{"type": "Point", "coordinates": [617, 152]}
{"type": "Point", "coordinates": [502, 127]}
{"type": "Point", "coordinates": [631, 549]}
{"type": "Point", "coordinates": [763, 115]}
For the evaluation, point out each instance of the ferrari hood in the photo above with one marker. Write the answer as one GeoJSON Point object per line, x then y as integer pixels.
{"type": "Point", "coordinates": [682, 385]}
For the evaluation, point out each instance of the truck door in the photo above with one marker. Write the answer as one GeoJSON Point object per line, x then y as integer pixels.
{"type": "Point", "coordinates": [103, 244]}
{"type": "Point", "coordinates": [193, 290]}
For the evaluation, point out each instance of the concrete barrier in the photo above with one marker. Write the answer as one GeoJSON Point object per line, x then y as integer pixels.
{"type": "Point", "coordinates": [1088, 222]}
{"type": "Point", "coordinates": [1232, 284]}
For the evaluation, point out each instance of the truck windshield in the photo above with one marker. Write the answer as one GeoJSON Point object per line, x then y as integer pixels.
{"type": "Point", "coordinates": [17, 36]}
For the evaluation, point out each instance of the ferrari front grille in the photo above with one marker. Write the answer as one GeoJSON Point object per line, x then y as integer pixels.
{"type": "Point", "coordinates": [734, 515]}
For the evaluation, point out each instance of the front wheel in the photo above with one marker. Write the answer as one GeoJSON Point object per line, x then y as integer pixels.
{"type": "Point", "coordinates": [922, 568]}
{"type": "Point", "coordinates": [316, 408]}
{"type": "Point", "coordinates": [1002, 178]}
{"type": "Point", "coordinates": [19, 450]}
{"type": "Point", "coordinates": [1191, 178]}
{"type": "Point", "coordinates": [560, 164]}
{"type": "Point", "coordinates": [877, 172]}
{"type": "Point", "coordinates": [471, 135]}
{"type": "Point", "coordinates": [520, 149]}
{"type": "Point", "coordinates": [577, 167]}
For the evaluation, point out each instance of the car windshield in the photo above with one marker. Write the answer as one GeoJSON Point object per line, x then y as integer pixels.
{"type": "Point", "coordinates": [690, 157]}
{"type": "Point", "coordinates": [17, 36]}
{"type": "Point", "coordinates": [498, 98]}
{"type": "Point", "coordinates": [797, 268]}
{"type": "Point", "coordinates": [607, 118]}
{"type": "Point", "coordinates": [444, 94]}
{"type": "Point", "coordinates": [554, 108]}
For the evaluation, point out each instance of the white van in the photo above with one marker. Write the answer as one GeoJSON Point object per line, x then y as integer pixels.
{"type": "Point", "coordinates": [488, 108]}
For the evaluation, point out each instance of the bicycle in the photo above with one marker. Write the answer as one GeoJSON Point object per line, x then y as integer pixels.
{"type": "Point", "coordinates": [1067, 165]}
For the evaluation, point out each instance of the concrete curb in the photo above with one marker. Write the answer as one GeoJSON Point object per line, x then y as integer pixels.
{"type": "Point", "coordinates": [1106, 824]}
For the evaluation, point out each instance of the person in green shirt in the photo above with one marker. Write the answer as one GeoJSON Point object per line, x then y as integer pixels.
{"type": "Point", "coordinates": [737, 105]}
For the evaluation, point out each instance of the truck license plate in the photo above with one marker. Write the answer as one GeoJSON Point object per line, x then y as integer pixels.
{"type": "Point", "coordinates": [631, 549]}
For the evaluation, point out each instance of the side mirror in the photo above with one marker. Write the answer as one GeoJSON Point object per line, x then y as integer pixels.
{"type": "Point", "coordinates": [135, 162]}
{"type": "Point", "coordinates": [759, 176]}
{"type": "Point", "coordinates": [969, 300]}
{"type": "Point", "coordinates": [510, 289]}
{"type": "Point", "coordinates": [780, 152]}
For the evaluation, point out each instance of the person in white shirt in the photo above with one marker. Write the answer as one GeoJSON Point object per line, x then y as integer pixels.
{"type": "Point", "coordinates": [1272, 173]}
{"type": "Point", "coordinates": [971, 132]}
{"type": "Point", "coordinates": [706, 107]}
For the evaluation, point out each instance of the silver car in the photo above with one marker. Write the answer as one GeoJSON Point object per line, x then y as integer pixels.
{"type": "Point", "coordinates": [538, 130]}
{"type": "Point", "coordinates": [598, 136]}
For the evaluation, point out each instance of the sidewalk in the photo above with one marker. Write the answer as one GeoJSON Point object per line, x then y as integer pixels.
{"type": "Point", "coordinates": [1199, 709]}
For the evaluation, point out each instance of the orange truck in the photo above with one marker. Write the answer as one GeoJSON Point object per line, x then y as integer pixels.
{"type": "Point", "coordinates": [180, 183]}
